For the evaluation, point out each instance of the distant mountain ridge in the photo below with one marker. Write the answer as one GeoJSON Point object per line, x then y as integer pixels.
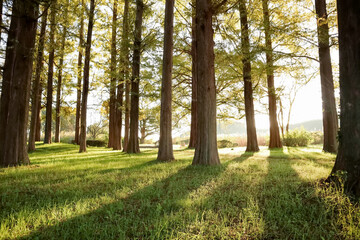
{"type": "Point", "coordinates": [239, 128]}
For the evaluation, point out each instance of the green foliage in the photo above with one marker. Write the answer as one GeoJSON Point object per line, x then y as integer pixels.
{"type": "Point", "coordinates": [318, 137]}
{"type": "Point", "coordinates": [96, 143]}
{"type": "Point", "coordinates": [298, 138]}
{"type": "Point", "coordinates": [226, 144]}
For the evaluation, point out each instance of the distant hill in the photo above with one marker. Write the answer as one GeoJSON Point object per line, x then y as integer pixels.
{"type": "Point", "coordinates": [239, 128]}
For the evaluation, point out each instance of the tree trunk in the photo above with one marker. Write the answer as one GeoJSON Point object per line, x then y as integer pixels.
{"type": "Point", "coordinates": [330, 120]}
{"type": "Point", "coordinates": [113, 60]}
{"type": "Point", "coordinates": [124, 69]}
{"type": "Point", "coordinates": [193, 128]}
{"type": "Point", "coordinates": [348, 158]}
{"type": "Point", "coordinates": [133, 144]}
{"type": "Point", "coordinates": [86, 78]}
{"type": "Point", "coordinates": [206, 152]}
{"type": "Point", "coordinates": [79, 75]}
{"type": "Point", "coordinates": [275, 141]}
{"type": "Point", "coordinates": [1, 17]}
{"type": "Point", "coordinates": [252, 143]}
{"type": "Point", "coordinates": [60, 74]}
{"type": "Point", "coordinates": [142, 131]}
{"type": "Point", "coordinates": [38, 121]}
{"type": "Point", "coordinates": [36, 93]}
{"type": "Point", "coordinates": [118, 119]}
{"type": "Point", "coordinates": [16, 83]}
{"type": "Point", "coordinates": [165, 152]}
{"type": "Point", "coordinates": [49, 97]}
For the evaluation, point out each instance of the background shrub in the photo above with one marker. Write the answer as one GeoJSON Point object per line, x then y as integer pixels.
{"type": "Point", "coordinates": [96, 143]}
{"type": "Point", "coordinates": [298, 138]}
{"type": "Point", "coordinates": [226, 144]}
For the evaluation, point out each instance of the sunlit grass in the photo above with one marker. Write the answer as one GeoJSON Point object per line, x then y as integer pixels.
{"type": "Point", "coordinates": [105, 194]}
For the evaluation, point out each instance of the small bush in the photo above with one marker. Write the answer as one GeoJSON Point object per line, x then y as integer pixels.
{"type": "Point", "coordinates": [226, 144]}
{"type": "Point", "coordinates": [96, 143]}
{"type": "Point", "coordinates": [298, 138]}
{"type": "Point", "coordinates": [318, 137]}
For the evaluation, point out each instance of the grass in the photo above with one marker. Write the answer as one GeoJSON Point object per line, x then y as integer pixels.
{"type": "Point", "coordinates": [107, 194]}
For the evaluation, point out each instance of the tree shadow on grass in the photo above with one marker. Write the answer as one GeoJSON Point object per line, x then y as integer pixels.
{"type": "Point", "coordinates": [138, 215]}
{"type": "Point", "coordinates": [291, 207]}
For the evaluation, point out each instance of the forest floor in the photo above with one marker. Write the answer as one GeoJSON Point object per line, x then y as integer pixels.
{"type": "Point", "coordinates": [105, 194]}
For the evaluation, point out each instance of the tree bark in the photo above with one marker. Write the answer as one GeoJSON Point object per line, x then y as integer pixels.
{"type": "Point", "coordinates": [1, 17]}
{"type": "Point", "coordinates": [252, 143]}
{"type": "Point", "coordinates": [16, 83]}
{"type": "Point", "coordinates": [165, 152]}
{"type": "Point", "coordinates": [330, 120]}
{"type": "Point", "coordinates": [38, 121]}
{"type": "Point", "coordinates": [348, 158]}
{"type": "Point", "coordinates": [275, 140]}
{"type": "Point", "coordinates": [133, 143]}
{"type": "Point", "coordinates": [79, 75]}
{"type": "Point", "coordinates": [49, 97]}
{"type": "Point", "coordinates": [193, 128]}
{"type": "Point", "coordinates": [124, 70]}
{"type": "Point", "coordinates": [113, 82]}
{"type": "Point", "coordinates": [60, 75]}
{"type": "Point", "coordinates": [86, 78]}
{"type": "Point", "coordinates": [206, 152]}
{"type": "Point", "coordinates": [36, 93]}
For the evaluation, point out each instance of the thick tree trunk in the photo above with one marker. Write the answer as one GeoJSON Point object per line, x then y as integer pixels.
{"type": "Point", "coordinates": [36, 93]}
{"type": "Point", "coordinates": [348, 158]}
{"type": "Point", "coordinates": [16, 84]}
{"type": "Point", "coordinates": [86, 78]}
{"type": "Point", "coordinates": [165, 152]}
{"type": "Point", "coordinates": [193, 128]}
{"type": "Point", "coordinates": [49, 97]}
{"type": "Point", "coordinates": [118, 119]}
{"type": "Point", "coordinates": [79, 75]}
{"type": "Point", "coordinates": [206, 152]}
{"type": "Point", "coordinates": [330, 120]}
{"type": "Point", "coordinates": [252, 143]}
{"type": "Point", "coordinates": [124, 70]}
{"type": "Point", "coordinates": [60, 74]}
{"type": "Point", "coordinates": [275, 140]}
{"type": "Point", "coordinates": [133, 144]}
{"type": "Point", "coordinates": [113, 82]}
{"type": "Point", "coordinates": [1, 17]}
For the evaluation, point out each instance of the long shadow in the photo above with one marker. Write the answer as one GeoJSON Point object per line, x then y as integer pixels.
{"type": "Point", "coordinates": [137, 215]}
{"type": "Point", "coordinates": [291, 207]}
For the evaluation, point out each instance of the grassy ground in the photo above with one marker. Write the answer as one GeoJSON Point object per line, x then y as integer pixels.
{"type": "Point", "coordinates": [107, 194]}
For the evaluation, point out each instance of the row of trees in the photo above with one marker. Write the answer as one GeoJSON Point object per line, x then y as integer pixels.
{"type": "Point", "coordinates": [19, 64]}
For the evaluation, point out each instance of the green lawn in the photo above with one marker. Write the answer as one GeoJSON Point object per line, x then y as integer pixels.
{"type": "Point", "coordinates": [107, 194]}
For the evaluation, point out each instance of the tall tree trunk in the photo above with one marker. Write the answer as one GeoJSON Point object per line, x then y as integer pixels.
{"type": "Point", "coordinates": [49, 97]}
{"type": "Point", "coordinates": [79, 75]}
{"type": "Point", "coordinates": [36, 93]}
{"type": "Point", "coordinates": [206, 152]}
{"type": "Point", "coordinates": [165, 152]}
{"type": "Point", "coordinates": [60, 75]}
{"type": "Point", "coordinates": [193, 128]}
{"type": "Point", "coordinates": [133, 143]}
{"type": "Point", "coordinates": [16, 83]}
{"type": "Point", "coordinates": [118, 119]}
{"type": "Point", "coordinates": [330, 120]}
{"type": "Point", "coordinates": [113, 81]}
{"type": "Point", "coordinates": [142, 131]}
{"type": "Point", "coordinates": [38, 116]}
{"type": "Point", "coordinates": [1, 17]}
{"type": "Point", "coordinates": [275, 141]}
{"type": "Point", "coordinates": [124, 65]}
{"type": "Point", "coordinates": [252, 143]}
{"type": "Point", "coordinates": [86, 78]}
{"type": "Point", "coordinates": [348, 158]}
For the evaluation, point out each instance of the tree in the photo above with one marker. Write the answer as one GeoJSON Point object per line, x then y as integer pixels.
{"type": "Point", "coordinates": [252, 144]}
{"type": "Point", "coordinates": [206, 152]}
{"type": "Point", "coordinates": [133, 144]}
{"type": "Point", "coordinates": [86, 77]}
{"type": "Point", "coordinates": [113, 63]}
{"type": "Point", "coordinates": [124, 70]}
{"type": "Point", "coordinates": [36, 92]}
{"type": "Point", "coordinates": [60, 72]}
{"type": "Point", "coordinates": [330, 120]}
{"type": "Point", "coordinates": [49, 96]}
{"type": "Point", "coordinates": [193, 128]}
{"type": "Point", "coordinates": [16, 83]}
{"type": "Point", "coordinates": [275, 141]}
{"type": "Point", "coordinates": [347, 159]}
{"type": "Point", "coordinates": [165, 152]}
{"type": "Point", "coordinates": [79, 74]}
